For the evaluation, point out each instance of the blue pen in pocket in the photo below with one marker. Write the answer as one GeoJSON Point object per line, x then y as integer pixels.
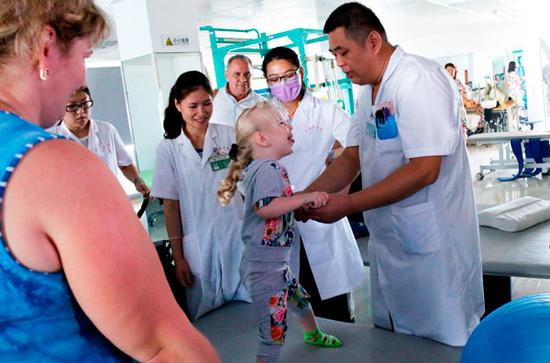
{"type": "Point", "coordinates": [386, 127]}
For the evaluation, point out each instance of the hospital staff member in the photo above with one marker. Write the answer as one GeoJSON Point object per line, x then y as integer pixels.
{"type": "Point", "coordinates": [99, 137]}
{"type": "Point", "coordinates": [330, 261]}
{"type": "Point", "coordinates": [236, 96]}
{"type": "Point", "coordinates": [190, 163]}
{"type": "Point", "coordinates": [417, 195]}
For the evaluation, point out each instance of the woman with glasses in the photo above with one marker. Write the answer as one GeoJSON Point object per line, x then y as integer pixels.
{"type": "Point", "coordinates": [330, 262]}
{"type": "Point", "coordinates": [100, 137]}
{"type": "Point", "coordinates": [79, 277]}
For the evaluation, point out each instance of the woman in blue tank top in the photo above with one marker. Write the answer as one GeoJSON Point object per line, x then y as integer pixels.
{"type": "Point", "coordinates": [79, 278]}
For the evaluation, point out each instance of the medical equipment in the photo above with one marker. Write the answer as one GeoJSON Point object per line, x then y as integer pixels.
{"type": "Point", "coordinates": [531, 151]}
{"type": "Point", "coordinates": [251, 41]}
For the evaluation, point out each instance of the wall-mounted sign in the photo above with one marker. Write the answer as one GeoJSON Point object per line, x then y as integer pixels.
{"type": "Point", "coordinates": [175, 40]}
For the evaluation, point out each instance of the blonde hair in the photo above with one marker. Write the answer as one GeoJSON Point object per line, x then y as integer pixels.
{"type": "Point", "coordinates": [250, 121]}
{"type": "Point", "coordinates": [21, 22]}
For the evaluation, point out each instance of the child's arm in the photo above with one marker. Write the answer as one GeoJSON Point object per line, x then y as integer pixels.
{"type": "Point", "coordinates": [282, 205]}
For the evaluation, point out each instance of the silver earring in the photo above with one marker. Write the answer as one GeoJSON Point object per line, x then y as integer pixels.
{"type": "Point", "coordinates": [44, 73]}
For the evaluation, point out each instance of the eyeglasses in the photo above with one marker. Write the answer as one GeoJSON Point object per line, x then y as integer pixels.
{"type": "Point", "coordinates": [284, 78]}
{"type": "Point", "coordinates": [73, 107]}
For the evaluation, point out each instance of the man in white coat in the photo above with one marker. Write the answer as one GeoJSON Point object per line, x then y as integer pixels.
{"type": "Point", "coordinates": [417, 195]}
{"type": "Point", "coordinates": [237, 95]}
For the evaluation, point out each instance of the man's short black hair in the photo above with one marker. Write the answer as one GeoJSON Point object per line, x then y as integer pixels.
{"type": "Point", "coordinates": [449, 65]}
{"type": "Point", "coordinates": [358, 21]}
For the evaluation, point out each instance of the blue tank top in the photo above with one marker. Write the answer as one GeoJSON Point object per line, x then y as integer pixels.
{"type": "Point", "coordinates": [40, 320]}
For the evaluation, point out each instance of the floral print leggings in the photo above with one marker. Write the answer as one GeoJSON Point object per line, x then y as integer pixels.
{"type": "Point", "coordinates": [272, 296]}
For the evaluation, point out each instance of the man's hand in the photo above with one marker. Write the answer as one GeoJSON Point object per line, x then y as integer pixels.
{"type": "Point", "coordinates": [302, 214]}
{"type": "Point", "coordinates": [337, 207]}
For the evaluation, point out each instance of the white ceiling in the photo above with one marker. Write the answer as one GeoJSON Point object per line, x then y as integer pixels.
{"type": "Point", "coordinates": [407, 21]}
{"type": "Point", "coordinates": [254, 12]}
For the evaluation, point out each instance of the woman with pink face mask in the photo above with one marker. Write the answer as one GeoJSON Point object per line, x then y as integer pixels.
{"type": "Point", "coordinates": [330, 265]}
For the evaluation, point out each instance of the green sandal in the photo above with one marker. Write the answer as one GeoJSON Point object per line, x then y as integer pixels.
{"type": "Point", "coordinates": [317, 337]}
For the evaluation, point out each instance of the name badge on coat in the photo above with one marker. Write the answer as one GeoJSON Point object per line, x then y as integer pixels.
{"type": "Point", "coordinates": [371, 127]}
{"type": "Point", "coordinates": [219, 162]}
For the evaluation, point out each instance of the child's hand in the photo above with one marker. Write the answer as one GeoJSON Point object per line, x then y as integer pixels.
{"type": "Point", "coordinates": [316, 199]}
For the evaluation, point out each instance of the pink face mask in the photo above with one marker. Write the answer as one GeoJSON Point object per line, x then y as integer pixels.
{"type": "Point", "coordinates": [287, 91]}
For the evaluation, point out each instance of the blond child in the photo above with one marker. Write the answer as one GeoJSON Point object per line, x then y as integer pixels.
{"type": "Point", "coordinates": [263, 138]}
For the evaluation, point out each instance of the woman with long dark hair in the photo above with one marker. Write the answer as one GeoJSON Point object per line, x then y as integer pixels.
{"type": "Point", "coordinates": [191, 161]}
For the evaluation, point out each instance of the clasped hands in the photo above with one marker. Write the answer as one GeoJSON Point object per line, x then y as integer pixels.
{"type": "Point", "coordinates": [335, 208]}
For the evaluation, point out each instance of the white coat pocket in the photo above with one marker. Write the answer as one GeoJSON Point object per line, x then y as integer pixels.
{"type": "Point", "coordinates": [416, 228]}
{"type": "Point", "coordinates": [389, 145]}
{"type": "Point", "coordinates": [314, 236]}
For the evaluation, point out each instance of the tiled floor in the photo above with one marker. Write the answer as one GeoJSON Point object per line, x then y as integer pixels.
{"type": "Point", "coordinates": [488, 191]}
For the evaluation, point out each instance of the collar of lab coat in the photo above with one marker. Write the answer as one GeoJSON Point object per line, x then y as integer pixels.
{"type": "Point", "coordinates": [232, 99]}
{"type": "Point", "coordinates": [307, 103]}
{"type": "Point", "coordinates": [207, 148]}
{"type": "Point", "coordinates": [395, 58]}
{"type": "Point", "coordinates": [66, 132]}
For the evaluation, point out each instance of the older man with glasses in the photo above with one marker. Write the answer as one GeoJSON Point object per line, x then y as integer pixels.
{"type": "Point", "coordinates": [237, 95]}
{"type": "Point", "coordinates": [100, 137]}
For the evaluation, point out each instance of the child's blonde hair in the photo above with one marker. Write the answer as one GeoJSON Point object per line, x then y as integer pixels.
{"type": "Point", "coordinates": [250, 121]}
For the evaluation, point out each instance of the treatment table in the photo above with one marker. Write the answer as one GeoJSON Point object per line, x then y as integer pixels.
{"type": "Point", "coordinates": [505, 255]}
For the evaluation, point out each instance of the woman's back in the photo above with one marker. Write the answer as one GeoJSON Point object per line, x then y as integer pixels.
{"type": "Point", "coordinates": [40, 321]}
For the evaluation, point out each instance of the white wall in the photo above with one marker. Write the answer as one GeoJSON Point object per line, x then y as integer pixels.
{"type": "Point", "coordinates": [484, 41]}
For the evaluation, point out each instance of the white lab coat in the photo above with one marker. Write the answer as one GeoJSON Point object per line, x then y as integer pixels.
{"type": "Point", "coordinates": [424, 250]}
{"type": "Point", "coordinates": [227, 109]}
{"type": "Point", "coordinates": [331, 248]}
{"type": "Point", "coordinates": [104, 141]}
{"type": "Point", "coordinates": [212, 234]}
{"type": "Point", "coordinates": [546, 79]}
